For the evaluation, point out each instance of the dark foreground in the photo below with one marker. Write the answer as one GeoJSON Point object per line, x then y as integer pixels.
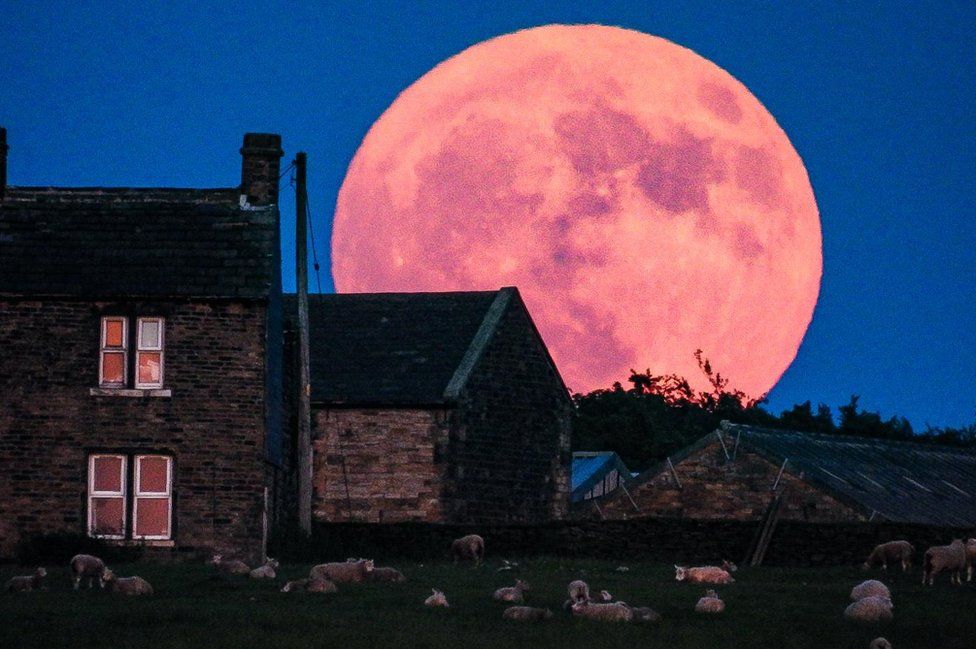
{"type": "Point", "coordinates": [192, 607]}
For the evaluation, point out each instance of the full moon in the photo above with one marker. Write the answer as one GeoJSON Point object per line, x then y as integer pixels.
{"type": "Point", "coordinates": [643, 201]}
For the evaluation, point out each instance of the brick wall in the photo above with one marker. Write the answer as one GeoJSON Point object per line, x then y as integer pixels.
{"type": "Point", "coordinates": [213, 425]}
{"type": "Point", "coordinates": [713, 488]}
{"type": "Point", "coordinates": [378, 465]}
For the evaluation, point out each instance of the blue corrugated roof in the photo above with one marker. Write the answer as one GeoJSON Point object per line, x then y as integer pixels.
{"type": "Point", "coordinates": [590, 467]}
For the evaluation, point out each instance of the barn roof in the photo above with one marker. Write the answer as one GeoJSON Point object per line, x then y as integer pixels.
{"type": "Point", "coordinates": [131, 242]}
{"type": "Point", "coordinates": [590, 467]}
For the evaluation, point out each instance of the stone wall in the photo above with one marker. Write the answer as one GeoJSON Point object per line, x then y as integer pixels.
{"type": "Point", "coordinates": [212, 425]}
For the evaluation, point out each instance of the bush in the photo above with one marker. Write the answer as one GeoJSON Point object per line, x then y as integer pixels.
{"type": "Point", "coordinates": [58, 548]}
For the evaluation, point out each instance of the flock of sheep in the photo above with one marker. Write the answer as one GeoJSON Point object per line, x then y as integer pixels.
{"type": "Point", "coordinates": [872, 600]}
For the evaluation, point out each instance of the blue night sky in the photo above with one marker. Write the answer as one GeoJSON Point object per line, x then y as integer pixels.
{"type": "Point", "coordinates": [876, 98]}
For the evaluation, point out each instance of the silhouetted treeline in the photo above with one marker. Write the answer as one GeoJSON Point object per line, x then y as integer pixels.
{"type": "Point", "coordinates": [657, 415]}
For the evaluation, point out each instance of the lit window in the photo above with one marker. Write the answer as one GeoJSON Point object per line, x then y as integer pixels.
{"type": "Point", "coordinates": [153, 508]}
{"type": "Point", "coordinates": [114, 365]}
{"type": "Point", "coordinates": [106, 496]}
{"type": "Point", "coordinates": [150, 504]}
{"type": "Point", "coordinates": [113, 358]}
{"type": "Point", "coordinates": [149, 353]}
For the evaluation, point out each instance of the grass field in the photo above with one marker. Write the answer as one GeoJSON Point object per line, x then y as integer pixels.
{"type": "Point", "coordinates": [766, 607]}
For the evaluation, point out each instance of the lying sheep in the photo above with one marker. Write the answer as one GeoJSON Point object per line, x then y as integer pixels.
{"type": "Point", "coordinates": [870, 588]}
{"type": "Point", "coordinates": [309, 586]}
{"type": "Point", "coordinates": [127, 585]}
{"type": "Point", "coordinates": [870, 609]}
{"type": "Point", "coordinates": [617, 612]}
{"type": "Point", "coordinates": [879, 643]}
{"type": "Point", "coordinates": [343, 573]}
{"type": "Point", "coordinates": [229, 566]}
{"type": "Point", "coordinates": [437, 598]}
{"type": "Point", "coordinates": [387, 574]}
{"type": "Point", "coordinates": [642, 614]}
{"type": "Point", "coordinates": [710, 603]}
{"type": "Point", "coordinates": [703, 575]}
{"type": "Point", "coordinates": [526, 614]}
{"type": "Point", "coordinates": [970, 558]}
{"type": "Point", "coordinates": [87, 566]}
{"type": "Point", "coordinates": [512, 593]}
{"type": "Point", "coordinates": [950, 557]}
{"type": "Point", "coordinates": [890, 552]}
{"type": "Point", "coordinates": [25, 584]}
{"type": "Point", "coordinates": [468, 548]}
{"type": "Point", "coordinates": [267, 571]}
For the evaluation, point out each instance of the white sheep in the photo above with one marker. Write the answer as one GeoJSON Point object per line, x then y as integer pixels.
{"type": "Point", "coordinates": [616, 612]}
{"type": "Point", "coordinates": [343, 573]}
{"type": "Point", "coordinates": [512, 593]}
{"type": "Point", "coordinates": [710, 603]}
{"type": "Point", "coordinates": [436, 599]}
{"type": "Point", "coordinates": [387, 574]}
{"type": "Point", "coordinates": [870, 609]}
{"type": "Point", "coordinates": [229, 566]}
{"type": "Point", "coordinates": [870, 588]}
{"type": "Point", "coordinates": [87, 566]}
{"type": "Point", "coordinates": [309, 586]}
{"type": "Point", "coordinates": [579, 591]}
{"type": "Point", "coordinates": [879, 643]}
{"type": "Point", "coordinates": [127, 585]}
{"type": "Point", "coordinates": [468, 548]}
{"type": "Point", "coordinates": [267, 571]}
{"type": "Point", "coordinates": [970, 558]}
{"type": "Point", "coordinates": [26, 583]}
{"type": "Point", "coordinates": [526, 613]}
{"type": "Point", "coordinates": [950, 557]}
{"type": "Point", "coordinates": [890, 552]}
{"type": "Point", "coordinates": [703, 575]}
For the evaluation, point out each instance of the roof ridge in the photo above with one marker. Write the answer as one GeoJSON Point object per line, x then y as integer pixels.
{"type": "Point", "coordinates": [839, 437]}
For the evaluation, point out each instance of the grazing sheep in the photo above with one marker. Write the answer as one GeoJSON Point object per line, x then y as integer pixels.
{"type": "Point", "coordinates": [870, 588]}
{"type": "Point", "coordinates": [710, 603]}
{"type": "Point", "coordinates": [703, 575]}
{"type": "Point", "coordinates": [617, 612]}
{"type": "Point", "coordinates": [879, 643]}
{"type": "Point", "coordinates": [512, 593]}
{"type": "Point", "coordinates": [870, 609]}
{"type": "Point", "coordinates": [309, 586]}
{"type": "Point", "coordinates": [87, 566]}
{"type": "Point", "coordinates": [970, 558]}
{"type": "Point", "coordinates": [642, 614]}
{"type": "Point", "coordinates": [468, 548]}
{"type": "Point", "coordinates": [437, 598]}
{"type": "Point", "coordinates": [27, 583]}
{"type": "Point", "coordinates": [526, 614]}
{"type": "Point", "coordinates": [890, 552]}
{"type": "Point", "coordinates": [229, 566]}
{"type": "Point", "coordinates": [728, 566]}
{"type": "Point", "coordinates": [343, 573]}
{"type": "Point", "coordinates": [950, 557]}
{"type": "Point", "coordinates": [127, 585]}
{"type": "Point", "coordinates": [387, 574]}
{"type": "Point", "coordinates": [267, 571]}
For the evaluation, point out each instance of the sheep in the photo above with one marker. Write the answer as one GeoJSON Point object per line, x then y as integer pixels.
{"type": "Point", "coordinates": [343, 573]}
{"type": "Point", "coordinates": [87, 566]}
{"type": "Point", "coordinates": [470, 547]}
{"type": "Point", "coordinates": [579, 591]}
{"type": "Point", "coordinates": [437, 598]}
{"type": "Point", "coordinates": [710, 603]}
{"type": "Point", "coordinates": [645, 615]}
{"type": "Point", "coordinates": [870, 609]}
{"type": "Point", "coordinates": [970, 558]}
{"type": "Point", "coordinates": [309, 586]}
{"type": "Point", "coordinates": [127, 585]}
{"type": "Point", "coordinates": [617, 612]}
{"type": "Point", "coordinates": [25, 584]}
{"type": "Point", "coordinates": [526, 614]}
{"type": "Point", "coordinates": [229, 566]}
{"type": "Point", "coordinates": [387, 574]}
{"type": "Point", "coordinates": [512, 593]}
{"type": "Point", "coordinates": [267, 571]}
{"type": "Point", "coordinates": [879, 643]}
{"type": "Point", "coordinates": [870, 588]}
{"type": "Point", "coordinates": [703, 575]}
{"type": "Point", "coordinates": [728, 566]}
{"type": "Point", "coordinates": [890, 552]}
{"type": "Point", "coordinates": [950, 557]}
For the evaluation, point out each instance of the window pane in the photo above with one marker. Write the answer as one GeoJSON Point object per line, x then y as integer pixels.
{"type": "Point", "coordinates": [149, 367]}
{"type": "Point", "coordinates": [152, 517]}
{"type": "Point", "coordinates": [107, 516]}
{"type": "Point", "coordinates": [113, 367]}
{"type": "Point", "coordinates": [149, 335]}
{"type": "Point", "coordinates": [113, 333]}
{"type": "Point", "coordinates": [108, 474]}
{"type": "Point", "coordinates": [153, 474]}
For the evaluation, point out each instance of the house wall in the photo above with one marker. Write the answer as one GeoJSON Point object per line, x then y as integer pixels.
{"type": "Point", "coordinates": [713, 488]}
{"type": "Point", "coordinates": [212, 425]}
{"type": "Point", "coordinates": [378, 465]}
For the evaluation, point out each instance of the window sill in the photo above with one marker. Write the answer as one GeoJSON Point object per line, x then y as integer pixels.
{"type": "Point", "coordinates": [140, 543]}
{"type": "Point", "coordinates": [128, 392]}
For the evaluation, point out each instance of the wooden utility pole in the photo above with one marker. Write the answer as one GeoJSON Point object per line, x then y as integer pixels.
{"type": "Point", "coordinates": [304, 384]}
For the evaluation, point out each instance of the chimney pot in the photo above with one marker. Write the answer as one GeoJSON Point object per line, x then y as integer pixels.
{"type": "Point", "coordinates": [261, 166]}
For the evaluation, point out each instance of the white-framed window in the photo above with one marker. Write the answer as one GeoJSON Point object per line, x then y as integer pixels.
{"type": "Point", "coordinates": [152, 513]}
{"type": "Point", "coordinates": [113, 360]}
{"type": "Point", "coordinates": [149, 353]}
{"type": "Point", "coordinates": [107, 496]}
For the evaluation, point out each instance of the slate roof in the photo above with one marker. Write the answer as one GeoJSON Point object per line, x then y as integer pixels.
{"type": "Point", "coordinates": [590, 468]}
{"type": "Point", "coordinates": [130, 242]}
{"type": "Point", "coordinates": [397, 349]}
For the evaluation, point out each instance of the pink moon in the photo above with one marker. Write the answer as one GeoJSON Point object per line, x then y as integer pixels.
{"type": "Point", "coordinates": [643, 201]}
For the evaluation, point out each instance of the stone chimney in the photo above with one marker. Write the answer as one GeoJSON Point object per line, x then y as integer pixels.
{"type": "Point", "coordinates": [3, 162]}
{"type": "Point", "coordinates": [261, 167]}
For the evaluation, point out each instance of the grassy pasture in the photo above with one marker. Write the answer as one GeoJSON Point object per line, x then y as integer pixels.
{"type": "Point", "coordinates": [766, 607]}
